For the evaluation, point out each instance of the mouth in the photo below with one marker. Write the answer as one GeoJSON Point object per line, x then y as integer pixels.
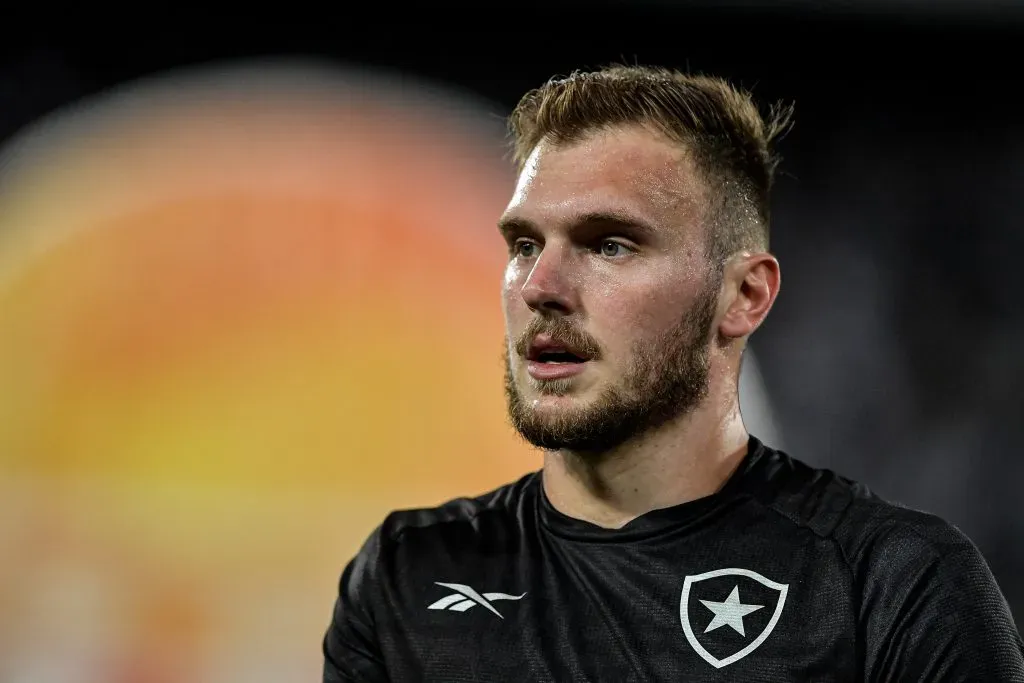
{"type": "Point", "coordinates": [547, 350]}
{"type": "Point", "coordinates": [548, 359]}
{"type": "Point", "coordinates": [556, 357]}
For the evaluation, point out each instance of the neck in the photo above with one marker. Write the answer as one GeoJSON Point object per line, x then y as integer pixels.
{"type": "Point", "coordinates": [686, 459]}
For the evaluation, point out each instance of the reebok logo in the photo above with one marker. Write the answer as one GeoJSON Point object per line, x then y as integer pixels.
{"type": "Point", "coordinates": [465, 597]}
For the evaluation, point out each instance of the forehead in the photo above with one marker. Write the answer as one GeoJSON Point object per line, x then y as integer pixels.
{"type": "Point", "coordinates": [630, 171]}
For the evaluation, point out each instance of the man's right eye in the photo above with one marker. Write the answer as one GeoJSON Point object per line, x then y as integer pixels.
{"type": "Point", "coordinates": [524, 248]}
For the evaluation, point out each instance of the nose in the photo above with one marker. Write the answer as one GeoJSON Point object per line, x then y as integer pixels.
{"type": "Point", "coordinates": [550, 286]}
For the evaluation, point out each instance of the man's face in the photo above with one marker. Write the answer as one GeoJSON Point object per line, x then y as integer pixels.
{"type": "Point", "coordinates": [609, 299]}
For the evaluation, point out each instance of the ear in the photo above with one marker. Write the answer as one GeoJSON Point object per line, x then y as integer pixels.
{"type": "Point", "coordinates": [750, 285]}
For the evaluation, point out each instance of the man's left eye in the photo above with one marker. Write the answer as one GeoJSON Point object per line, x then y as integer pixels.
{"type": "Point", "coordinates": [612, 248]}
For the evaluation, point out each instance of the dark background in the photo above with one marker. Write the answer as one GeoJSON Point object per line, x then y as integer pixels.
{"type": "Point", "coordinates": [893, 354]}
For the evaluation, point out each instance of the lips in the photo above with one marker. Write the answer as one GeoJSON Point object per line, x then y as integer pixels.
{"type": "Point", "coordinates": [548, 358]}
{"type": "Point", "coordinates": [547, 350]}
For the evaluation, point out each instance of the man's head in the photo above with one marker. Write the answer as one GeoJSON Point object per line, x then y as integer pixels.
{"type": "Point", "coordinates": [638, 237]}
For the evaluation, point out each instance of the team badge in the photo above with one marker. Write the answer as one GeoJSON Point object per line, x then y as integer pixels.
{"type": "Point", "coordinates": [728, 613]}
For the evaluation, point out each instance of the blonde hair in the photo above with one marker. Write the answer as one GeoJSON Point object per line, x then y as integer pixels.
{"type": "Point", "coordinates": [731, 143]}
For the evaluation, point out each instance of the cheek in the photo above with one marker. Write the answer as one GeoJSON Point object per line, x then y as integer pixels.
{"type": "Point", "coordinates": [619, 323]}
{"type": "Point", "coordinates": [629, 315]}
{"type": "Point", "coordinates": [511, 288]}
{"type": "Point", "coordinates": [512, 275]}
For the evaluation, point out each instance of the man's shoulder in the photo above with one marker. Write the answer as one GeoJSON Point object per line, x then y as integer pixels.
{"type": "Point", "coordinates": [927, 604]}
{"type": "Point", "coordinates": [500, 506]}
{"type": "Point", "coordinates": [858, 519]}
{"type": "Point", "coordinates": [877, 533]}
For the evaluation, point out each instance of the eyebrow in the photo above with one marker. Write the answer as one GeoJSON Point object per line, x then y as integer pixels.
{"type": "Point", "coordinates": [607, 219]}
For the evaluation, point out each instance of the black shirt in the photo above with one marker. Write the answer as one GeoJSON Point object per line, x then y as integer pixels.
{"type": "Point", "coordinates": [789, 573]}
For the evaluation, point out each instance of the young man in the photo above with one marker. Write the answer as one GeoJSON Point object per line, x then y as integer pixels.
{"type": "Point", "coordinates": [660, 541]}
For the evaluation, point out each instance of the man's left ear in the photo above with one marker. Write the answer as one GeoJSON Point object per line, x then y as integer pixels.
{"type": "Point", "coordinates": [750, 284]}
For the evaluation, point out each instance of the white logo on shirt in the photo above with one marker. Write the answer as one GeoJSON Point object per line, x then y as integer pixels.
{"type": "Point", "coordinates": [465, 597]}
{"type": "Point", "coordinates": [729, 612]}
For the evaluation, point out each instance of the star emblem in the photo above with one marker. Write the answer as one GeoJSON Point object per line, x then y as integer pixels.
{"type": "Point", "coordinates": [729, 612]}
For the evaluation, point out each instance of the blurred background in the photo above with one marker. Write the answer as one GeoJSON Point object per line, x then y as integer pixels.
{"type": "Point", "coordinates": [249, 295]}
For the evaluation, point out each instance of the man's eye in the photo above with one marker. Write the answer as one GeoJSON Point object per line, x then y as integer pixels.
{"type": "Point", "coordinates": [611, 248]}
{"type": "Point", "coordinates": [524, 249]}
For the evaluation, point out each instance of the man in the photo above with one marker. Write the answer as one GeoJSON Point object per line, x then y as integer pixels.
{"type": "Point", "coordinates": [660, 541]}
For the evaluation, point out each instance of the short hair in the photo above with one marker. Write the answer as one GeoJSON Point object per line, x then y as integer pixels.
{"type": "Point", "coordinates": [731, 143]}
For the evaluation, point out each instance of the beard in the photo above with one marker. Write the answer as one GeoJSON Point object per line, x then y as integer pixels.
{"type": "Point", "coordinates": [667, 377]}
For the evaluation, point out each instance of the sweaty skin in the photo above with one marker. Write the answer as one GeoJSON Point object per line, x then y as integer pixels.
{"type": "Point", "coordinates": [608, 232]}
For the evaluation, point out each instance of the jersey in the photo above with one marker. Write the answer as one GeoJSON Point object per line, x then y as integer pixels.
{"type": "Point", "coordinates": [788, 573]}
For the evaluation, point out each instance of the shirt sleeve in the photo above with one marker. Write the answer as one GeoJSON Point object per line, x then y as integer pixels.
{"type": "Point", "coordinates": [351, 648]}
{"type": "Point", "coordinates": [933, 612]}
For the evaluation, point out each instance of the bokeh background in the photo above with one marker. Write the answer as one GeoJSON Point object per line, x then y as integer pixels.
{"type": "Point", "coordinates": [249, 295]}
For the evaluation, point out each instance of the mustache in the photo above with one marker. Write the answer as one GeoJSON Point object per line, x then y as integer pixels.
{"type": "Point", "coordinates": [562, 332]}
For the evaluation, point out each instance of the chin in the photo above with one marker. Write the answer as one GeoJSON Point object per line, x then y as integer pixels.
{"type": "Point", "coordinates": [575, 388]}
{"type": "Point", "coordinates": [553, 388]}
